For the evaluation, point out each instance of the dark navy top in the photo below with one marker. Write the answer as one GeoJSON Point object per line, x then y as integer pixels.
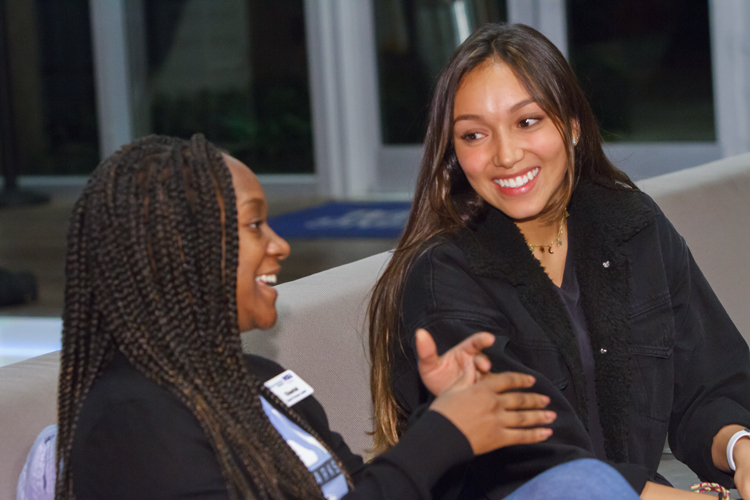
{"type": "Point", "coordinates": [570, 295]}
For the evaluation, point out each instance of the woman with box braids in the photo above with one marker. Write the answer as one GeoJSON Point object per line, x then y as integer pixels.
{"type": "Point", "coordinates": [151, 267]}
{"type": "Point", "coordinates": [169, 258]}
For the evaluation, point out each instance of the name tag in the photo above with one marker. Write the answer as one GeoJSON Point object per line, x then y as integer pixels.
{"type": "Point", "coordinates": [289, 387]}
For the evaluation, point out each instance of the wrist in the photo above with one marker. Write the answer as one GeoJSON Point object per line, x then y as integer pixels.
{"type": "Point", "coordinates": [738, 447]}
{"type": "Point", "coordinates": [741, 453]}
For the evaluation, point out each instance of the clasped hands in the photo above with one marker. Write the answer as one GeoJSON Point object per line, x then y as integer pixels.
{"type": "Point", "coordinates": [486, 407]}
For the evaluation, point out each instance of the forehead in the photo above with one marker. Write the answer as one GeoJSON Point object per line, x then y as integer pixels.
{"type": "Point", "coordinates": [246, 184]}
{"type": "Point", "coordinates": [492, 83]}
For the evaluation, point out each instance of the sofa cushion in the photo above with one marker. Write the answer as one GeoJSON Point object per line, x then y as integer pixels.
{"type": "Point", "coordinates": [321, 335]}
{"type": "Point", "coordinates": [28, 404]}
{"type": "Point", "coordinates": [710, 207]}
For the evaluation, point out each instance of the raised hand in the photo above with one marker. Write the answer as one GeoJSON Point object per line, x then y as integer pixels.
{"type": "Point", "coordinates": [490, 415]}
{"type": "Point", "coordinates": [438, 373]}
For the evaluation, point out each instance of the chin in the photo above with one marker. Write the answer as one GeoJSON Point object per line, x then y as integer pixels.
{"type": "Point", "coordinates": [266, 322]}
{"type": "Point", "coordinates": [258, 323]}
{"type": "Point", "coordinates": [520, 213]}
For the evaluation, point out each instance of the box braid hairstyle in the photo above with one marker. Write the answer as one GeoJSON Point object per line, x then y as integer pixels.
{"type": "Point", "coordinates": [151, 271]}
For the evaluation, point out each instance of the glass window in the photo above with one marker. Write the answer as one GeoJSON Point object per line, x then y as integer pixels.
{"type": "Point", "coordinates": [646, 67]}
{"type": "Point", "coordinates": [50, 78]}
{"type": "Point", "coordinates": [415, 38]}
{"type": "Point", "coordinates": [235, 70]}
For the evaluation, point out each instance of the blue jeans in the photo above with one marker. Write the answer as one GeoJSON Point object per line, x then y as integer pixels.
{"type": "Point", "coordinates": [578, 480]}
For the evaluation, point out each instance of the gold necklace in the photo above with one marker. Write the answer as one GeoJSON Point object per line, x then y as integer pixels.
{"type": "Point", "coordinates": [557, 240]}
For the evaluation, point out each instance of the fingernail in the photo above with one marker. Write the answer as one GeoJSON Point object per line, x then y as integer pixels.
{"type": "Point", "coordinates": [531, 379]}
{"type": "Point", "coordinates": [546, 400]}
{"type": "Point", "coordinates": [547, 432]}
{"type": "Point", "coordinates": [551, 415]}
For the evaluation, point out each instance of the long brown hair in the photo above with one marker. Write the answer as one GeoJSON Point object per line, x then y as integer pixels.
{"type": "Point", "coordinates": [444, 202]}
{"type": "Point", "coordinates": [151, 272]}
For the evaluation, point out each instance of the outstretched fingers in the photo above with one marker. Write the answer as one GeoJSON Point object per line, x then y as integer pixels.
{"type": "Point", "coordinates": [523, 401]}
{"type": "Point", "coordinates": [482, 364]}
{"type": "Point", "coordinates": [527, 418]}
{"type": "Point", "coordinates": [508, 381]}
{"type": "Point", "coordinates": [478, 341]}
{"type": "Point", "coordinates": [426, 350]}
{"type": "Point", "coordinates": [527, 436]}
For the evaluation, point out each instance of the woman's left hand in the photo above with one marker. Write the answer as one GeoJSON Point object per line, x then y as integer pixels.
{"type": "Point", "coordinates": [742, 462]}
{"type": "Point", "coordinates": [438, 373]}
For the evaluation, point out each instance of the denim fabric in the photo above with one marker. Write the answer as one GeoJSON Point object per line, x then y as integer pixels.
{"type": "Point", "coordinates": [578, 480]}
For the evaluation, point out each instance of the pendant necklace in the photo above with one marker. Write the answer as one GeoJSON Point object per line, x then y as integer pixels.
{"type": "Point", "coordinates": [549, 245]}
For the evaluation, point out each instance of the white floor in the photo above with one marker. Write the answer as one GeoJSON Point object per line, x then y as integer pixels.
{"type": "Point", "coordinates": [26, 337]}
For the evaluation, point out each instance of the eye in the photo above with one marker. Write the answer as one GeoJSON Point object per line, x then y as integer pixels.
{"type": "Point", "coordinates": [472, 136]}
{"type": "Point", "coordinates": [528, 122]}
{"type": "Point", "coordinates": [255, 225]}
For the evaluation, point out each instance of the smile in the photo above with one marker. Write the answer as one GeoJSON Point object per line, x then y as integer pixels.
{"type": "Point", "coordinates": [519, 181]}
{"type": "Point", "coordinates": [268, 279]}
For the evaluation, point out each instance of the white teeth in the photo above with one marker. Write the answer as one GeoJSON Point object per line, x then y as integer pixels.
{"type": "Point", "coordinates": [517, 181]}
{"type": "Point", "coordinates": [268, 279]}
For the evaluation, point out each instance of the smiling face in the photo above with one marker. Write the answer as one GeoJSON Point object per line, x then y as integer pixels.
{"type": "Point", "coordinates": [509, 149]}
{"type": "Point", "coordinates": [260, 250]}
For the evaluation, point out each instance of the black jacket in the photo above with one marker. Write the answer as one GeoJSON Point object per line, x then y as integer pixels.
{"type": "Point", "coordinates": [135, 439]}
{"type": "Point", "coordinates": [667, 357]}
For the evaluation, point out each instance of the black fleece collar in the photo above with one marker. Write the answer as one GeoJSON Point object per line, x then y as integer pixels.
{"type": "Point", "coordinates": [602, 217]}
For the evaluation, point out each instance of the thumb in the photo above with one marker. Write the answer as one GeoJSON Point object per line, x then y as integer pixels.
{"type": "Point", "coordinates": [426, 350]}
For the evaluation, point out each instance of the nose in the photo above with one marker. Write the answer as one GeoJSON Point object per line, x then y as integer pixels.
{"type": "Point", "coordinates": [508, 151]}
{"type": "Point", "coordinates": [277, 246]}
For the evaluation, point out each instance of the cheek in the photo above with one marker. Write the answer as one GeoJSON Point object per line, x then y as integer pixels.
{"type": "Point", "coordinates": [247, 263]}
{"type": "Point", "coordinates": [471, 161]}
{"type": "Point", "coordinates": [551, 147]}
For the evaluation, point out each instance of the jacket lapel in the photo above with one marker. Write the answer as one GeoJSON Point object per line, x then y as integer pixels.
{"type": "Point", "coordinates": [602, 217]}
{"type": "Point", "coordinates": [608, 218]}
{"type": "Point", "coordinates": [496, 248]}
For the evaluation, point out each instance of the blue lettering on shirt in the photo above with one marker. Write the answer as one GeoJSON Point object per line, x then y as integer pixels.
{"type": "Point", "coordinates": [315, 457]}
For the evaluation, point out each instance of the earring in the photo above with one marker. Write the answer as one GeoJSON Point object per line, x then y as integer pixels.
{"type": "Point", "coordinates": [575, 140]}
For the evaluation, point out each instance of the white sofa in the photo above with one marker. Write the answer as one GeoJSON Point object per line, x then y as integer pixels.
{"type": "Point", "coordinates": [321, 329]}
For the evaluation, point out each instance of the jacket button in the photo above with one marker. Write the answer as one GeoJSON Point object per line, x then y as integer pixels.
{"type": "Point", "coordinates": [605, 264]}
{"type": "Point", "coordinates": [603, 351]}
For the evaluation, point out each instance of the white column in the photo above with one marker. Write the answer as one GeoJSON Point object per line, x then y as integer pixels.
{"type": "Point", "coordinates": [730, 56]}
{"type": "Point", "coordinates": [523, 11]}
{"type": "Point", "coordinates": [549, 17]}
{"type": "Point", "coordinates": [553, 23]}
{"type": "Point", "coordinates": [111, 74]}
{"type": "Point", "coordinates": [343, 82]}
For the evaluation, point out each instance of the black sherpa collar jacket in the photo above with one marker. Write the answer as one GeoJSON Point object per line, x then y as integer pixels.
{"type": "Point", "coordinates": [667, 357]}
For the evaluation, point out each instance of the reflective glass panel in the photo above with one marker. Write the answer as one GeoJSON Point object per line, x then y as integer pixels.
{"type": "Point", "coordinates": [49, 76]}
{"type": "Point", "coordinates": [646, 67]}
{"type": "Point", "coordinates": [415, 38]}
{"type": "Point", "coordinates": [235, 70]}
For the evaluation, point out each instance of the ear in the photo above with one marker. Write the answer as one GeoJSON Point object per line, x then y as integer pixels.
{"type": "Point", "coordinates": [575, 129]}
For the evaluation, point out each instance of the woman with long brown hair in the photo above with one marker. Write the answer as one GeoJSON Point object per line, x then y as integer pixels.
{"type": "Point", "coordinates": [169, 258]}
{"type": "Point", "coordinates": [521, 227]}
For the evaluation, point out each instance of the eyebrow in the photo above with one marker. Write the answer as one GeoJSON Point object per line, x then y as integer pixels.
{"type": "Point", "coordinates": [253, 201]}
{"type": "Point", "coordinates": [513, 109]}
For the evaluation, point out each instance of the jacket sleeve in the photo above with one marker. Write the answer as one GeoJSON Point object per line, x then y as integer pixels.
{"type": "Point", "coordinates": [712, 362]}
{"type": "Point", "coordinates": [431, 447]}
{"type": "Point", "coordinates": [147, 450]}
{"type": "Point", "coordinates": [409, 470]}
{"type": "Point", "coordinates": [444, 296]}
